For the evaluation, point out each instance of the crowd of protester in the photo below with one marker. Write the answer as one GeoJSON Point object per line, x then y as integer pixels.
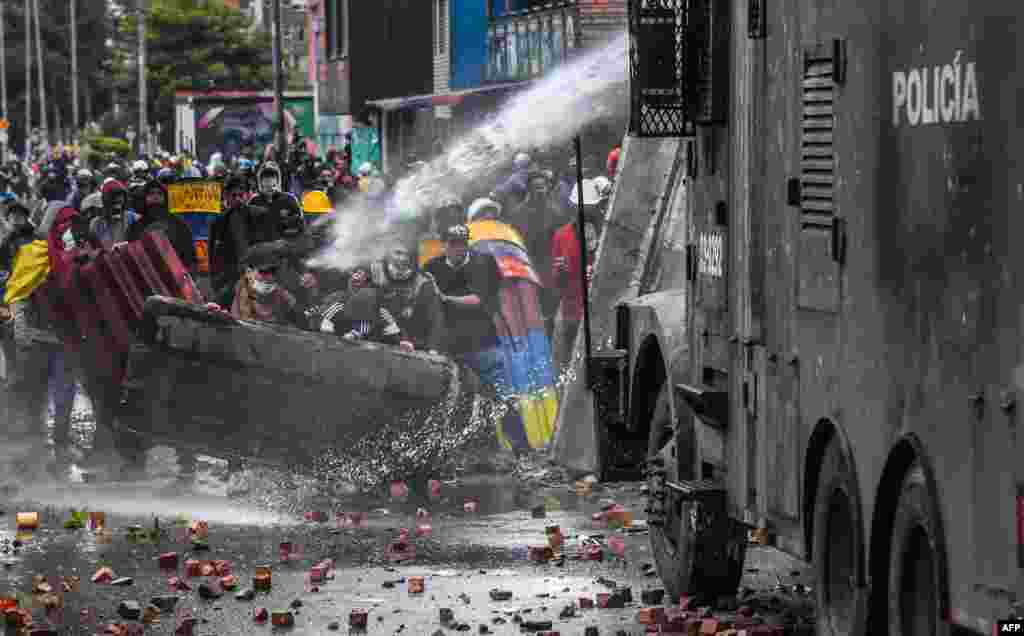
{"type": "Point", "coordinates": [259, 248]}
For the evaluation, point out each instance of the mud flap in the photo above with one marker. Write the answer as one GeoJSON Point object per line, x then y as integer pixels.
{"type": "Point", "coordinates": [713, 543]}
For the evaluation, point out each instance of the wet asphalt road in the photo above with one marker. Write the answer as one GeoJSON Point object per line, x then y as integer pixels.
{"type": "Point", "coordinates": [467, 554]}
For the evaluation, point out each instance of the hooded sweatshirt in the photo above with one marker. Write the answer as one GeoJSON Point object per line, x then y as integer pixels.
{"type": "Point", "coordinates": [174, 228]}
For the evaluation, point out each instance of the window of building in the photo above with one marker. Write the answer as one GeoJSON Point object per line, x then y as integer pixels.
{"type": "Point", "coordinates": [441, 26]}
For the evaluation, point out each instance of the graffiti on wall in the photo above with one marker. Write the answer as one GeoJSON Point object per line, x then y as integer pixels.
{"type": "Point", "coordinates": [247, 126]}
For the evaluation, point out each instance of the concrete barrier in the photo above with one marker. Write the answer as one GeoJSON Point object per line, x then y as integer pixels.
{"type": "Point", "coordinates": [643, 188]}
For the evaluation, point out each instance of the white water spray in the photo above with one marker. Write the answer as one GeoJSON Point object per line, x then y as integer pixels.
{"type": "Point", "coordinates": [550, 113]}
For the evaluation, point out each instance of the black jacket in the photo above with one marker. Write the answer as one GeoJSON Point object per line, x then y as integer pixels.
{"type": "Point", "coordinates": [469, 329]}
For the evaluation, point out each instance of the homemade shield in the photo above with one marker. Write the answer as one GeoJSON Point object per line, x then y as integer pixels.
{"type": "Point", "coordinates": [523, 342]}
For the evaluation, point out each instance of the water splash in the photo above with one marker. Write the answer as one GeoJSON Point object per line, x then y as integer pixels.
{"type": "Point", "coordinates": [548, 114]}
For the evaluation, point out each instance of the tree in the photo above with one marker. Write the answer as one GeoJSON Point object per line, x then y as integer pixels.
{"type": "Point", "coordinates": [193, 44]}
{"type": "Point", "coordinates": [95, 79]}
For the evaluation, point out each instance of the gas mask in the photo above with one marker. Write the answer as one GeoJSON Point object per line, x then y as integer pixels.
{"type": "Point", "coordinates": [399, 266]}
{"type": "Point", "coordinates": [591, 236]}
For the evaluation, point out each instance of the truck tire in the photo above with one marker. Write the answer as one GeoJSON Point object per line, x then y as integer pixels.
{"type": "Point", "coordinates": [916, 560]}
{"type": "Point", "coordinates": [699, 550]}
{"type": "Point", "coordinates": [837, 546]}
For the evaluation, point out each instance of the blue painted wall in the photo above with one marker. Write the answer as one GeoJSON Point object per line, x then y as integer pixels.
{"type": "Point", "coordinates": [469, 42]}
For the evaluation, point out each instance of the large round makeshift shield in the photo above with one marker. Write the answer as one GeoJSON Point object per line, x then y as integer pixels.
{"type": "Point", "coordinates": [528, 372]}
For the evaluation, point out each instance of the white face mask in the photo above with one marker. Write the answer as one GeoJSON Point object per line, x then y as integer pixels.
{"type": "Point", "coordinates": [69, 239]}
{"type": "Point", "coordinates": [261, 287]}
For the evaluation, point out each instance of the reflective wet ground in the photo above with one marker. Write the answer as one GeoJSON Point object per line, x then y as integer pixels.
{"type": "Point", "coordinates": [466, 555]}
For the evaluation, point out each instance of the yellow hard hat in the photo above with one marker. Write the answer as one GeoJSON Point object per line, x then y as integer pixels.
{"type": "Point", "coordinates": [316, 202]}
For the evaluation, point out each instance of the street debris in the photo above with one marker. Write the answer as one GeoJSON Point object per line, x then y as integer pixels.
{"type": "Point", "coordinates": [129, 610]}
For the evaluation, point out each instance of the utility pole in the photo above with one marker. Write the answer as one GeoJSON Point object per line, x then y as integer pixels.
{"type": "Point", "coordinates": [143, 134]}
{"type": "Point", "coordinates": [317, 27]}
{"type": "Point", "coordinates": [279, 83]}
{"type": "Point", "coordinates": [42, 78]}
{"type": "Point", "coordinates": [28, 79]}
{"type": "Point", "coordinates": [74, 71]}
{"type": "Point", "coordinates": [3, 73]}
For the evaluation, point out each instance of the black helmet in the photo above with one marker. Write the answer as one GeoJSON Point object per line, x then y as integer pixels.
{"type": "Point", "coordinates": [456, 233]}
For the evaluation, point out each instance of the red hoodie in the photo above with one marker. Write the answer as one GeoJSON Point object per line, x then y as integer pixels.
{"type": "Point", "coordinates": [61, 260]}
{"type": "Point", "coordinates": [565, 245]}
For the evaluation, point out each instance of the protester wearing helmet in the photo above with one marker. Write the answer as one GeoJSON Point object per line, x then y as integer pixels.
{"type": "Point", "coordinates": [469, 283]}
{"type": "Point", "coordinates": [140, 172]}
{"type": "Point", "coordinates": [113, 171]}
{"type": "Point", "coordinates": [567, 266]}
{"type": "Point", "coordinates": [402, 306]}
{"type": "Point", "coordinates": [482, 209]}
{"type": "Point", "coordinates": [140, 177]}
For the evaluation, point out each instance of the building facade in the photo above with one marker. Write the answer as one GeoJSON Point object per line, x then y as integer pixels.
{"type": "Point", "coordinates": [457, 61]}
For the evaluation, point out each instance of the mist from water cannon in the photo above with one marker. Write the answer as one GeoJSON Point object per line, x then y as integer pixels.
{"type": "Point", "coordinates": [549, 113]}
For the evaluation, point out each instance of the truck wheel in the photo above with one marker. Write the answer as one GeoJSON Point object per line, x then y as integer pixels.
{"type": "Point", "coordinates": [697, 549]}
{"type": "Point", "coordinates": [915, 562]}
{"type": "Point", "coordinates": [837, 546]}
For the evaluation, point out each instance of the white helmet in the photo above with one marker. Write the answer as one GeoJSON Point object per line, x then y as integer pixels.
{"type": "Point", "coordinates": [366, 169]}
{"type": "Point", "coordinates": [481, 206]}
{"type": "Point", "coordinates": [84, 173]}
{"type": "Point", "coordinates": [140, 166]}
{"type": "Point", "coordinates": [591, 195]}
